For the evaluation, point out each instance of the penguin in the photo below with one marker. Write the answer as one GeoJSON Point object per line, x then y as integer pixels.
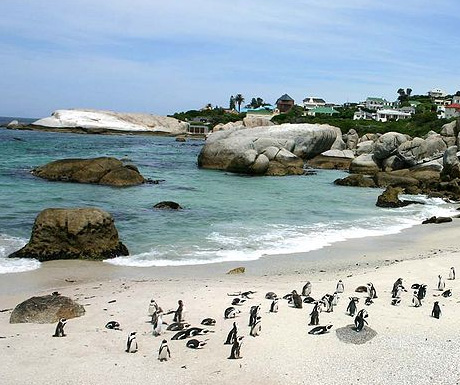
{"type": "Point", "coordinates": [368, 301]}
{"type": "Point", "coordinates": [238, 301]}
{"type": "Point", "coordinates": [59, 332]}
{"type": "Point", "coordinates": [441, 283]}
{"type": "Point", "coordinates": [351, 308]}
{"type": "Point", "coordinates": [131, 344]}
{"type": "Point", "coordinates": [415, 286]}
{"type": "Point", "coordinates": [157, 327]}
{"type": "Point", "coordinates": [396, 285]}
{"type": "Point", "coordinates": [452, 273]}
{"type": "Point", "coordinates": [274, 306]}
{"type": "Point", "coordinates": [236, 349]}
{"type": "Point", "coordinates": [340, 287]}
{"type": "Point", "coordinates": [164, 353]}
{"type": "Point", "coordinates": [246, 294]}
{"type": "Point", "coordinates": [416, 300]}
{"type": "Point", "coordinates": [327, 302]}
{"type": "Point", "coordinates": [208, 322]}
{"type": "Point", "coordinates": [436, 312]}
{"type": "Point", "coordinates": [360, 320]}
{"type": "Point", "coordinates": [196, 331]}
{"type": "Point", "coordinates": [231, 312]}
{"type": "Point", "coordinates": [421, 293]}
{"type": "Point", "coordinates": [447, 293]}
{"type": "Point", "coordinates": [271, 295]}
{"type": "Point", "coordinates": [181, 335]}
{"type": "Point", "coordinates": [396, 301]}
{"type": "Point", "coordinates": [314, 315]}
{"type": "Point", "coordinates": [306, 290]}
{"type": "Point", "coordinates": [288, 297]}
{"type": "Point", "coordinates": [112, 325]}
{"type": "Point", "coordinates": [232, 335]}
{"type": "Point", "coordinates": [153, 307]}
{"type": "Point", "coordinates": [297, 300]}
{"type": "Point", "coordinates": [308, 300]}
{"type": "Point", "coordinates": [397, 291]}
{"type": "Point", "coordinates": [256, 328]}
{"type": "Point", "coordinates": [335, 299]}
{"type": "Point", "coordinates": [176, 326]}
{"type": "Point", "coordinates": [320, 330]}
{"type": "Point", "coordinates": [371, 290]}
{"type": "Point", "coordinates": [253, 314]}
{"type": "Point", "coordinates": [195, 344]}
{"type": "Point", "coordinates": [178, 316]}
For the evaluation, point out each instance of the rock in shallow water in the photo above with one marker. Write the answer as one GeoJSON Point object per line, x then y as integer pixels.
{"type": "Point", "coordinates": [81, 233]}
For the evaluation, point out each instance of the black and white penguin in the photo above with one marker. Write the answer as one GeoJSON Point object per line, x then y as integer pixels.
{"type": "Point", "coordinates": [253, 314]}
{"type": "Point", "coordinates": [274, 306]}
{"type": "Point", "coordinates": [153, 307]}
{"type": "Point", "coordinates": [314, 315]}
{"type": "Point", "coordinates": [196, 331]}
{"type": "Point", "coordinates": [396, 301]}
{"type": "Point", "coordinates": [112, 325]}
{"type": "Point", "coordinates": [320, 330]}
{"type": "Point", "coordinates": [288, 297]}
{"type": "Point", "coordinates": [309, 300]}
{"type": "Point", "coordinates": [436, 312]}
{"type": "Point", "coordinates": [164, 353]}
{"type": "Point", "coordinates": [195, 344]}
{"type": "Point", "coordinates": [231, 312]}
{"type": "Point", "coordinates": [371, 290]}
{"type": "Point", "coordinates": [327, 302]}
{"type": "Point", "coordinates": [271, 295]}
{"type": "Point", "coordinates": [59, 332]}
{"type": "Point", "coordinates": [351, 308]}
{"type": "Point", "coordinates": [397, 285]}
{"type": "Point", "coordinates": [340, 287]}
{"type": "Point", "coordinates": [447, 293]}
{"type": "Point", "coordinates": [360, 320]}
{"type": "Point", "coordinates": [246, 294]}
{"type": "Point", "coordinates": [452, 273]}
{"type": "Point", "coordinates": [178, 314]}
{"type": "Point", "coordinates": [208, 322]}
{"type": "Point", "coordinates": [236, 348]}
{"type": "Point", "coordinates": [256, 328]}
{"type": "Point", "coordinates": [297, 300]}
{"type": "Point", "coordinates": [335, 299]}
{"type": "Point", "coordinates": [421, 293]}
{"type": "Point", "coordinates": [181, 335]}
{"type": "Point", "coordinates": [238, 301]}
{"type": "Point", "coordinates": [157, 327]}
{"type": "Point", "coordinates": [368, 301]}
{"type": "Point", "coordinates": [441, 283]}
{"type": "Point", "coordinates": [232, 335]}
{"type": "Point", "coordinates": [306, 290]}
{"type": "Point", "coordinates": [176, 326]}
{"type": "Point", "coordinates": [416, 300]}
{"type": "Point", "coordinates": [131, 343]}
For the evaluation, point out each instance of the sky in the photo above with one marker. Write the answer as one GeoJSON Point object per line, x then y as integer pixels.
{"type": "Point", "coordinates": [160, 57]}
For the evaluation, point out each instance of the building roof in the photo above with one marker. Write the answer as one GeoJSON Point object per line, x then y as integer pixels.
{"type": "Point", "coordinates": [324, 110]}
{"type": "Point", "coordinates": [453, 105]}
{"type": "Point", "coordinates": [285, 98]}
{"type": "Point", "coordinates": [380, 100]}
{"type": "Point", "coordinates": [393, 112]}
{"type": "Point", "coordinates": [314, 100]}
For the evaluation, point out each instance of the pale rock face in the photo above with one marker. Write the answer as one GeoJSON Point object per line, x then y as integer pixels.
{"type": "Point", "coordinates": [339, 144]}
{"type": "Point", "coordinates": [366, 147]}
{"type": "Point", "coordinates": [227, 126]}
{"type": "Point", "coordinates": [254, 121]}
{"type": "Point", "coordinates": [116, 121]}
{"type": "Point", "coordinates": [339, 153]}
{"type": "Point", "coordinates": [352, 139]}
{"type": "Point", "coordinates": [417, 150]}
{"type": "Point", "coordinates": [387, 144]}
{"type": "Point", "coordinates": [364, 164]}
{"type": "Point", "coordinates": [449, 129]}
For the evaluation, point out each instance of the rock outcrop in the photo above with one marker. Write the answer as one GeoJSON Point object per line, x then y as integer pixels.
{"type": "Point", "coordinates": [332, 160]}
{"type": "Point", "coordinates": [364, 164]}
{"type": "Point", "coordinates": [274, 150]}
{"type": "Point", "coordinates": [387, 144]}
{"type": "Point", "coordinates": [437, 220]}
{"type": "Point", "coordinates": [390, 198]}
{"type": "Point", "coordinates": [167, 205]}
{"type": "Point", "coordinates": [46, 309]}
{"type": "Point", "coordinates": [104, 170]}
{"type": "Point", "coordinates": [99, 121]}
{"type": "Point", "coordinates": [81, 233]}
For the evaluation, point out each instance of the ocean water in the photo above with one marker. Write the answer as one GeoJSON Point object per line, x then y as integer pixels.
{"type": "Point", "coordinates": [226, 217]}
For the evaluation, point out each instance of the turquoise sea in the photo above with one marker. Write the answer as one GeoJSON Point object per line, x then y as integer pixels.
{"type": "Point", "coordinates": [227, 217]}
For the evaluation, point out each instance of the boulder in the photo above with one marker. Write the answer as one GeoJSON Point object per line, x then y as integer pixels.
{"type": "Point", "coordinates": [390, 198]}
{"type": "Point", "coordinates": [237, 270]}
{"type": "Point", "coordinates": [418, 150]}
{"type": "Point", "coordinates": [437, 220]}
{"type": "Point", "coordinates": [356, 180]}
{"type": "Point", "coordinates": [392, 163]}
{"type": "Point", "coordinates": [451, 163]}
{"type": "Point", "coordinates": [46, 309]}
{"type": "Point", "coordinates": [387, 144]}
{"type": "Point", "coordinates": [99, 121]}
{"type": "Point", "coordinates": [104, 170]}
{"type": "Point", "coordinates": [400, 178]}
{"type": "Point", "coordinates": [254, 121]}
{"type": "Point", "coordinates": [332, 160]}
{"type": "Point", "coordinates": [227, 126]}
{"type": "Point", "coordinates": [364, 164]}
{"type": "Point", "coordinates": [365, 147]}
{"type": "Point", "coordinates": [352, 139]}
{"type": "Point", "coordinates": [80, 233]}
{"type": "Point", "coordinates": [168, 205]}
{"type": "Point", "coordinates": [285, 146]}
{"type": "Point", "coordinates": [13, 124]}
{"type": "Point", "coordinates": [369, 136]}
{"type": "Point", "coordinates": [339, 144]}
{"type": "Point", "coordinates": [449, 129]}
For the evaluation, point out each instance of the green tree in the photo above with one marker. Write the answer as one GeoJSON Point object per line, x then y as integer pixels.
{"type": "Point", "coordinates": [232, 103]}
{"type": "Point", "coordinates": [239, 99]}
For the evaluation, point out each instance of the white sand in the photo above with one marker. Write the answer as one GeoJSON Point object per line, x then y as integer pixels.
{"type": "Point", "coordinates": [411, 347]}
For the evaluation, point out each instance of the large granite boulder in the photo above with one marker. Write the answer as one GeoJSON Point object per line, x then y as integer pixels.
{"type": "Point", "coordinates": [339, 143]}
{"type": "Point", "coordinates": [46, 309]}
{"type": "Point", "coordinates": [273, 150]}
{"type": "Point", "coordinates": [81, 233]}
{"type": "Point", "coordinates": [390, 198]}
{"type": "Point", "coordinates": [99, 121]}
{"type": "Point", "coordinates": [332, 160]}
{"type": "Point", "coordinates": [352, 139]}
{"type": "Point", "coordinates": [449, 132]}
{"type": "Point", "coordinates": [364, 164]}
{"type": "Point", "coordinates": [226, 126]}
{"type": "Point", "coordinates": [365, 147]}
{"type": "Point", "coordinates": [104, 170]}
{"type": "Point", "coordinates": [387, 144]}
{"type": "Point", "coordinates": [451, 163]}
{"type": "Point", "coordinates": [418, 150]}
{"type": "Point", "coordinates": [356, 180]}
{"type": "Point", "coordinates": [254, 121]}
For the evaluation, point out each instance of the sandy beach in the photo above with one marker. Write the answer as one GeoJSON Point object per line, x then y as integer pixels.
{"type": "Point", "coordinates": [410, 346]}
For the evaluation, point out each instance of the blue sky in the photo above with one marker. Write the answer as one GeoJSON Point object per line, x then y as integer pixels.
{"type": "Point", "coordinates": [164, 56]}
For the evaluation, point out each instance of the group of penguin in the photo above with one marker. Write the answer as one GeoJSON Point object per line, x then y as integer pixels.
{"type": "Point", "coordinates": [184, 331]}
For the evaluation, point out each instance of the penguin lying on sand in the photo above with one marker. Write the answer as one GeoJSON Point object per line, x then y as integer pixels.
{"type": "Point", "coordinates": [320, 330]}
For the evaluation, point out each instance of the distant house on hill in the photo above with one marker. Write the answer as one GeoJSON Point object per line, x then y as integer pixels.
{"type": "Point", "coordinates": [266, 111]}
{"type": "Point", "coordinates": [284, 103]}
{"type": "Point", "coordinates": [311, 102]}
{"type": "Point", "coordinates": [322, 111]}
{"type": "Point", "coordinates": [437, 93]}
{"type": "Point", "coordinates": [376, 103]}
{"type": "Point", "coordinates": [452, 111]}
{"type": "Point", "coordinates": [456, 99]}
{"type": "Point", "coordinates": [364, 115]}
{"type": "Point", "coordinates": [385, 115]}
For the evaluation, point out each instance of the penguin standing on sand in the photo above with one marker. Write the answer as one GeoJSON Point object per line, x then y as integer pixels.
{"type": "Point", "coordinates": [164, 353]}
{"type": "Point", "coordinates": [178, 316]}
{"type": "Point", "coordinates": [306, 290]}
{"type": "Point", "coordinates": [452, 273]}
{"type": "Point", "coordinates": [371, 290]}
{"type": "Point", "coordinates": [59, 332]}
{"type": "Point", "coordinates": [232, 335]}
{"type": "Point", "coordinates": [360, 320]}
{"type": "Point", "coordinates": [340, 287]}
{"type": "Point", "coordinates": [297, 299]}
{"type": "Point", "coordinates": [274, 306]}
{"type": "Point", "coordinates": [335, 299]}
{"type": "Point", "coordinates": [153, 307]}
{"type": "Point", "coordinates": [396, 285]}
{"type": "Point", "coordinates": [421, 293]}
{"type": "Point", "coordinates": [236, 348]}
{"type": "Point", "coordinates": [131, 344]}
{"type": "Point", "coordinates": [441, 283]}
{"type": "Point", "coordinates": [314, 315]}
{"type": "Point", "coordinates": [253, 314]}
{"type": "Point", "coordinates": [436, 312]}
{"type": "Point", "coordinates": [416, 300]}
{"type": "Point", "coordinates": [351, 308]}
{"type": "Point", "coordinates": [256, 328]}
{"type": "Point", "coordinates": [158, 325]}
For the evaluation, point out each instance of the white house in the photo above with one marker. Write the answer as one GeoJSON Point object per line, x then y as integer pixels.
{"type": "Point", "coordinates": [385, 115]}
{"type": "Point", "coordinates": [312, 102]}
{"type": "Point", "coordinates": [363, 115]}
{"type": "Point", "coordinates": [452, 111]}
{"type": "Point", "coordinates": [437, 93]}
{"type": "Point", "coordinates": [456, 99]}
{"type": "Point", "coordinates": [376, 103]}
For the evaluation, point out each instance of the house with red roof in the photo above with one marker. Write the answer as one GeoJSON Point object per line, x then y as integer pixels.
{"type": "Point", "coordinates": [452, 111]}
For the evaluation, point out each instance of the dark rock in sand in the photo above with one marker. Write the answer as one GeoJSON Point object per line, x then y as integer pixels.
{"type": "Point", "coordinates": [437, 220]}
{"type": "Point", "coordinates": [168, 205]}
{"type": "Point", "coordinates": [46, 309]}
{"type": "Point", "coordinates": [81, 233]}
{"type": "Point", "coordinates": [349, 335]}
{"type": "Point", "coordinates": [104, 170]}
